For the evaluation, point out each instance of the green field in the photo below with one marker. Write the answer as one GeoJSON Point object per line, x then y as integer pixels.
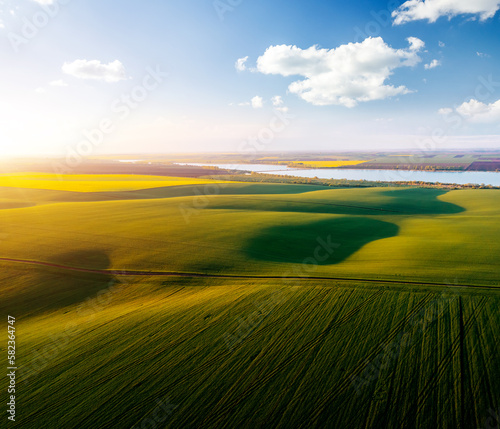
{"type": "Point", "coordinates": [342, 308]}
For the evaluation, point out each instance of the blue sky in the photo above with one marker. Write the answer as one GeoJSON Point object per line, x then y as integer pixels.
{"type": "Point", "coordinates": [325, 75]}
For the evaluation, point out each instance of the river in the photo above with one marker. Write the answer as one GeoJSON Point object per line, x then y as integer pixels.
{"type": "Point", "coordinates": [457, 177]}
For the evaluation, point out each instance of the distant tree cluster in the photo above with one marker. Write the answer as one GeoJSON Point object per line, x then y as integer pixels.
{"type": "Point", "coordinates": [343, 183]}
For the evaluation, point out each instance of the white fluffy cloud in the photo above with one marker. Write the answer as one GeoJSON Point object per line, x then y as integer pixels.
{"type": "Point", "coordinates": [347, 75]}
{"type": "Point", "coordinates": [277, 100]}
{"type": "Point", "coordinates": [476, 111]}
{"type": "Point", "coordinates": [278, 104]}
{"type": "Point", "coordinates": [415, 44]}
{"type": "Point", "coordinates": [414, 10]}
{"type": "Point", "coordinates": [432, 64]}
{"type": "Point", "coordinates": [59, 82]}
{"type": "Point", "coordinates": [445, 111]}
{"type": "Point", "coordinates": [83, 69]}
{"type": "Point", "coordinates": [257, 102]}
{"type": "Point", "coordinates": [240, 64]}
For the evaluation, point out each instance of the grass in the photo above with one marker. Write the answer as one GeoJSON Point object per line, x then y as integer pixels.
{"type": "Point", "coordinates": [351, 234]}
{"type": "Point", "coordinates": [440, 235]}
{"type": "Point", "coordinates": [244, 353]}
{"type": "Point", "coordinates": [99, 350]}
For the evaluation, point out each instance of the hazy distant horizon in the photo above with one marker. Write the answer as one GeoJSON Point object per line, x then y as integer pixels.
{"type": "Point", "coordinates": [211, 153]}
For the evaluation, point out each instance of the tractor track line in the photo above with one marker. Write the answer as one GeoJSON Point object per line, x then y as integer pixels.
{"type": "Point", "coordinates": [138, 273]}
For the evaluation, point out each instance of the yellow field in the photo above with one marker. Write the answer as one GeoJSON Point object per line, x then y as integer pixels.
{"type": "Point", "coordinates": [325, 164]}
{"type": "Point", "coordinates": [93, 182]}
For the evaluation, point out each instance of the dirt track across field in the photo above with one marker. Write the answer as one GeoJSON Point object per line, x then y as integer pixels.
{"type": "Point", "coordinates": [137, 273]}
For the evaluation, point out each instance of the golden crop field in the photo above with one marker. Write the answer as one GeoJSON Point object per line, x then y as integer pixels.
{"type": "Point", "coordinates": [93, 183]}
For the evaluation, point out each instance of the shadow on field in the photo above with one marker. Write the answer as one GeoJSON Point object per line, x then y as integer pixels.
{"type": "Point", "coordinates": [336, 239]}
{"type": "Point", "coordinates": [7, 205]}
{"type": "Point", "coordinates": [47, 196]}
{"type": "Point", "coordinates": [393, 202]}
{"type": "Point", "coordinates": [93, 259]}
{"type": "Point", "coordinates": [43, 289]}
{"type": "Point", "coordinates": [421, 201]}
{"type": "Point", "coordinates": [294, 243]}
{"type": "Point", "coordinates": [237, 196]}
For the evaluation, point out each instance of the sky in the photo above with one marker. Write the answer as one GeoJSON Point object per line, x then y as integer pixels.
{"type": "Point", "coordinates": [121, 77]}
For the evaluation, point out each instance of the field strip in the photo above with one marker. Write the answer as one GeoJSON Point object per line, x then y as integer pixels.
{"type": "Point", "coordinates": [347, 382]}
{"type": "Point", "coordinates": [138, 273]}
{"type": "Point", "coordinates": [223, 408]}
{"type": "Point", "coordinates": [232, 391]}
{"type": "Point", "coordinates": [237, 197]}
{"type": "Point", "coordinates": [416, 407]}
{"type": "Point", "coordinates": [195, 371]}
